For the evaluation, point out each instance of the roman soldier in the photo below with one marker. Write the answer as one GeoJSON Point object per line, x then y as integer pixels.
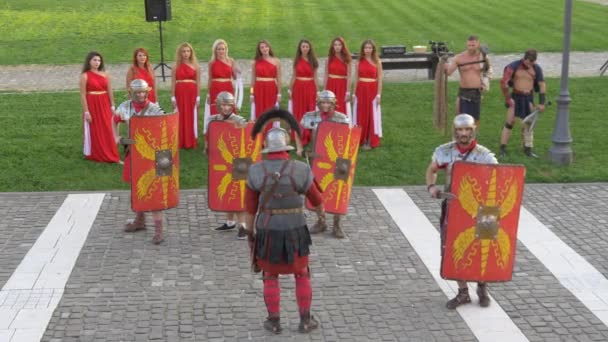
{"type": "Point", "coordinates": [225, 104]}
{"type": "Point", "coordinates": [326, 102]}
{"type": "Point", "coordinates": [464, 147]}
{"type": "Point", "coordinates": [279, 238]}
{"type": "Point", "coordinates": [137, 106]}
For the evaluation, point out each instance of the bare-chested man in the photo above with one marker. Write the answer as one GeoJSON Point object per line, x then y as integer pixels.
{"type": "Point", "coordinates": [524, 77]}
{"type": "Point", "coordinates": [474, 68]}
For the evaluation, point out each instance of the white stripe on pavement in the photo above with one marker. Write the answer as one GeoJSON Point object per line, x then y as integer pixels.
{"type": "Point", "coordinates": [488, 324]}
{"type": "Point", "coordinates": [31, 294]}
{"type": "Point", "coordinates": [572, 270]}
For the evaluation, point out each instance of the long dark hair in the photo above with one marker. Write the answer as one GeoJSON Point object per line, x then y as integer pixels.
{"type": "Point", "coordinates": [87, 61]}
{"type": "Point", "coordinates": [312, 58]}
{"type": "Point", "coordinates": [344, 54]}
{"type": "Point", "coordinates": [375, 57]}
{"type": "Point", "coordinates": [258, 54]}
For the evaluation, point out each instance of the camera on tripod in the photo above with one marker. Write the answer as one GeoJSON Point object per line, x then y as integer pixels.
{"type": "Point", "coordinates": [438, 48]}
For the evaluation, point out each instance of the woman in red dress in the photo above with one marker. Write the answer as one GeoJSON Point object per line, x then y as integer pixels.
{"type": "Point", "coordinates": [367, 95]}
{"type": "Point", "coordinates": [97, 102]}
{"type": "Point", "coordinates": [222, 70]}
{"type": "Point", "coordinates": [266, 80]}
{"type": "Point", "coordinates": [303, 85]}
{"type": "Point", "coordinates": [337, 74]}
{"type": "Point", "coordinates": [185, 87]}
{"type": "Point", "coordinates": [141, 69]}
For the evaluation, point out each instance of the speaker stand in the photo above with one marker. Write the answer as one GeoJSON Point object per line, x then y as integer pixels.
{"type": "Point", "coordinates": [603, 68]}
{"type": "Point", "coordinates": [162, 65]}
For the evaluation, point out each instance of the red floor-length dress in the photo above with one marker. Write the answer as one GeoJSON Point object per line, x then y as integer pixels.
{"type": "Point", "coordinates": [221, 80]}
{"type": "Point", "coordinates": [336, 81]}
{"type": "Point", "coordinates": [265, 86]}
{"type": "Point", "coordinates": [102, 144]}
{"type": "Point", "coordinates": [186, 92]}
{"type": "Point", "coordinates": [304, 93]}
{"type": "Point", "coordinates": [366, 93]}
{"type": "Point", "coordinates": [144, 74]}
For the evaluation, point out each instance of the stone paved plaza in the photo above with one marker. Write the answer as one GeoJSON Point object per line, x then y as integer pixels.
{"type": "Point", "coordinates": [371, 286]}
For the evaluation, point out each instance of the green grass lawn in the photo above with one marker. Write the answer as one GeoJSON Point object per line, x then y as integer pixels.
{"type": "Point", "coordinates": [62, 32]}
{"type": "Point", "coordinates": [41, 140]}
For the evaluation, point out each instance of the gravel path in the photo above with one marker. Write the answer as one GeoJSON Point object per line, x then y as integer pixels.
{"type": "Point", "coordinates": [600, 2]}
{"type": "Point", "coordinates": [65, 77]}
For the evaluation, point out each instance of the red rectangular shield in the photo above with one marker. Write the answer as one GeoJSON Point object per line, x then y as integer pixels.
{"type": "Point", "coordinates": [231, 152]}
{"type": "Point", "coordinates": [154, 162]}
{"type": "Point", "coordinates": [336, 147]}
{"type": "Point", "coordinates": [481, 232]}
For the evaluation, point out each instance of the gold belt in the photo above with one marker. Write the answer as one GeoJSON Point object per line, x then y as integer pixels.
{"type": "Point", "coordinates": [96, 92]}
{"type": "Point", "coordinates": [285, 211]}
{"type": "Point", "coordinates": [336, 76]}
{"type": "Point", "coordinates": [304, 78]}
{"type": "Point", "coordinates": [190, 81]}
{"type": "Point", "coordinates": [265, 79]}
{"type": "Point", "coordinates": [221, 80]}
{"type": "Point", "coordinates": [365, 79]}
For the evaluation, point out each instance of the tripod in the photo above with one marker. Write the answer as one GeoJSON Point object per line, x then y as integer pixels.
{"type": "Point", "coordinates": [162, 65]}
{"type": "Point", "coordinates": [603, 68]}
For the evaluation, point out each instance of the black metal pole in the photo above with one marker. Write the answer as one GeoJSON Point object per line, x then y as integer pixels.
{"type": "Point", "coordinates": [162, 54]}
{"type": "Point", "coordinates": [162, 65]}
{"type": "Point", "coordinates": [561, 151]}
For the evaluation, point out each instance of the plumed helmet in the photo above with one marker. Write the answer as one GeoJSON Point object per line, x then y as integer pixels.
{"type": "Point", "coordinates": [277, 140]}
{"type": "Point", "coordinates": [139, 85]}
{"type": "Point", "coordinates": [326, 96]}
{"type": "Point", "coordinates": [224, 97]}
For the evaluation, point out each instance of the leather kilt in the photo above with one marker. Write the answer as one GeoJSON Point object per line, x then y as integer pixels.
{"type": "Point", "coordinates": [470, 101]}
{"type": "Point", "coordinates": [523, 104]}
{"type": "Point", "coordinates": [282, 251]}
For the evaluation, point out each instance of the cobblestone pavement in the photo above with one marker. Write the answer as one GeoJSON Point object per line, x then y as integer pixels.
{"type": "Point", "coordinates": [65, 77]}
{"type": "Point", "coordinates": [371, 286]}
{"type": "Point", "coordinates": [20, 229]}
{"type": "Point", "coordinates": [540, 306]}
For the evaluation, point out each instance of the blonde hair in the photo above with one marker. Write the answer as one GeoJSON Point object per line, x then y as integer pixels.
{"type": "Point", "coordinates": [216, 43]}
{"type": "Point", "coordinates": [178, 55]}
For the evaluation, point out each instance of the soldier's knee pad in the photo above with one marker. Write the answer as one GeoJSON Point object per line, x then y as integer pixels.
{"type": "Point", "coordinates": [508, 126]}
{"type": "Point", "coordinates": [304, 273]}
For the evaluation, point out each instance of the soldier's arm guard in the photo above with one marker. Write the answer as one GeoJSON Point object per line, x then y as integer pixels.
{"type": "Point", "coordinates": [542, 98]}
{"type": "Point", "coordinates": [504, 83]}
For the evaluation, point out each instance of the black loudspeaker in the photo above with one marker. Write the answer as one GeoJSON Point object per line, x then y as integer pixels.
{"type": "Point", "coordinates": [158, 10]}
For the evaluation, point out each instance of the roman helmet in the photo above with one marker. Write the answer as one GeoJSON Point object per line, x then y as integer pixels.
{"type": "Point", "coordinates": [326, 96]}
{"type": "Point", "coordinates": [224, 97]}
{"type": "Point", "coordinates": [277, 139]}
{"type": "Point", "coordinates": [139, 85]}
{"type": "Point", "coordinates": [464, 121]}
